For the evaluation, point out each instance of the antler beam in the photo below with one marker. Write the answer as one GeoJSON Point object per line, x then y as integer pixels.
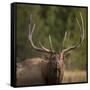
{"type": "Point", "coordinates": [42, 49]}
{"type": "Point", "coordinates": [81, 36]}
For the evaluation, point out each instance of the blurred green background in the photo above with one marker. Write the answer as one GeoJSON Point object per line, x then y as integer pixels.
{"type": "Point", "coordinates": [53, 20]}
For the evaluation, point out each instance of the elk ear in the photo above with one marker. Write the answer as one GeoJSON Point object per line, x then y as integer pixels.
{"type": "Point", "coordinates": [47, 57]}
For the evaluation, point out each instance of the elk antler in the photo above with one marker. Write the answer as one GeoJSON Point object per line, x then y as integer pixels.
{"type": "Point", "coordinates": [81, 36]}
{"type": "Point", "coordinates": [42, 49]}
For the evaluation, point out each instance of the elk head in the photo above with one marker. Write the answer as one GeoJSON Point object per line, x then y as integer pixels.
{"type": "Point", "coordinates": [56, 59]}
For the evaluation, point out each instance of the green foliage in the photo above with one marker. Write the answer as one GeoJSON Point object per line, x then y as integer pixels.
{"type": "Point", "coordinates": [53, 21]}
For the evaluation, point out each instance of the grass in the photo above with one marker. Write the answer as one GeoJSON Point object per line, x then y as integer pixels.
{"type": "Point", "coordinates": [74, 76]}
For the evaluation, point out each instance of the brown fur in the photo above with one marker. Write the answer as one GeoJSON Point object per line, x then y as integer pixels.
{"type": "Point", "coordinates": [31, 72]}
{"type": "Point", "coordinates": [38, 71]}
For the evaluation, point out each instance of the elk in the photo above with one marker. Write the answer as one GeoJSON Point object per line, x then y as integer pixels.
{"type": "Point", "coordinates": [38, 71]}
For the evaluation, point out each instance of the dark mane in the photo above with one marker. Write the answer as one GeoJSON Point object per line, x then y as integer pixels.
{"type": "Point", "coordinates": [53, 72]}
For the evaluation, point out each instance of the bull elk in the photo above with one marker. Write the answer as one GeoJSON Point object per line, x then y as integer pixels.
{"type": "Point", "coordinates": [38, 71]}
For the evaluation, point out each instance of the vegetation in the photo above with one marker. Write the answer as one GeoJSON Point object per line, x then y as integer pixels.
{"type": "Point", "coordinates": [54, 21]}
{"type": "Point", "coordinates": [74, 76]}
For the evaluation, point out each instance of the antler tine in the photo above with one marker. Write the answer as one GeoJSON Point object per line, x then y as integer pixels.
{"type": "Point", "coordinates": [50, 41]}
{"type": "Point", "coordinates": [42, 49]}
{"type": "Point", "coordinates": [51, 51]}
{"type": "Point", "coordinates": [82, 26]}
{"type": "Point", "coordinates": [81, 36]}
{"type": "Point", "coordinates": [65, 35]}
